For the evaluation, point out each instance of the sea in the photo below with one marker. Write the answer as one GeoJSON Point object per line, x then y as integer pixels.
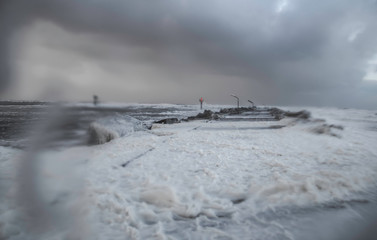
{"type": "Point", "coordinates": [69, 122]}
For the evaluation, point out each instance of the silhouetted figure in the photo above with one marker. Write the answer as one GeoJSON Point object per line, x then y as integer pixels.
{"type": "Point", "coordinates": [201, 102]}
{"type": "Point", "coordinates": [95, 99]}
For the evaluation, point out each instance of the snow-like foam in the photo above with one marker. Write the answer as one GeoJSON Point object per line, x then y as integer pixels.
{"type": "Point", "coordinates": [159, 196]}
{"type": "Point", "coordinates": [203, 180]}
{"type": "Point", "coordinates": [98, 134]}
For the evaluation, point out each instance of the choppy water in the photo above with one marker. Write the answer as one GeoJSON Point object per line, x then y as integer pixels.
{"type": "Point", "coordinates": [21, 120]}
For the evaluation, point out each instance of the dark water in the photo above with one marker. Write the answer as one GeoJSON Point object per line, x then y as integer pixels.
{"type": "Point", "coordinates": [20, 121]}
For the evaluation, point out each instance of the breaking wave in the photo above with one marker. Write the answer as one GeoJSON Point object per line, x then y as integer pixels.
{"type": "Point", "coordinates": [109, 128]}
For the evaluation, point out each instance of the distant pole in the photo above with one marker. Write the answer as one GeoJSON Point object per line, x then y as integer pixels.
{"type": "Point", "coordinates": [95, 100]}
{"type": "Point", "coordinates": [251, 102]}
{"type": "Point", "coordinates": [201, 102]}
{"type": "Point", "coordinates": [238, 100]}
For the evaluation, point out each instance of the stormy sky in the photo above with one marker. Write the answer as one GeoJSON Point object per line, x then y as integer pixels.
{"type": "Point", "coordinates": [275, 52]}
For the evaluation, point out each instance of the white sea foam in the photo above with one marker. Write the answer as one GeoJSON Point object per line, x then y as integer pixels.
{"type": "Point", "coordinates": [99, 134]}
{"type": "Point", "coordinates": [204, 180]}
{"type": "Point", "coordinates": [106, 129]}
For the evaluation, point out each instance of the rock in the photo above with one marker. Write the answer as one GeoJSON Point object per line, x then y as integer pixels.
{"type": "Point", "coordinates": [207, 114]}
{"type": "Point", "coordinates": [189, 119]}
{"type": "Point", "coordinates": [326, 129]}
{"type": "Point", "coordinates": [168, 121]}
{"type": "Point", "coordinates": [301, 114]}
{"type": "Point", "coordinates": [235, 111]}
{"type": "Point", "coordinates": [336, 126]}
{"type": "Point", "coordinates": [277, 113]}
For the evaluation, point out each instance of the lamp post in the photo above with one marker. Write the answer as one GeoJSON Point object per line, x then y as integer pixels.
{"type": "Point", "coordinates": [252, 103]}
{"type": "Point", "coordinates": [238, 100]}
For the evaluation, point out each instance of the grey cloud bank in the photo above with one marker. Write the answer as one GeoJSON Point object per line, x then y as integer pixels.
{"type": "Point", "coordinates": [273, 52]}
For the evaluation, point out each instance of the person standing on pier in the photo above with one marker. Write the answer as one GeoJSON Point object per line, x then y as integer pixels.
{"type": "Point", "coordinates": [95, 100]}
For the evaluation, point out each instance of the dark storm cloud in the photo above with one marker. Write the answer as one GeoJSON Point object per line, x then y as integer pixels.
{"type": "Point", "coordinates": [7, 23]}
{"type": "Point", "coordinates": [4, 58]}
{"type": "Point", "coordinates": [308, 50]}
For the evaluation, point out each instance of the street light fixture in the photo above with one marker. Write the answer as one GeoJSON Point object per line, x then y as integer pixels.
{"type": "Point", "coordinates": [238, 100]}
{"type": "Point", "coordinates": [252, 103]}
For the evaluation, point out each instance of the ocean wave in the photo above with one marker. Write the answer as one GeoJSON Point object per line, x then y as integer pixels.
{"type": "Point", "coordinates": [109, 128]}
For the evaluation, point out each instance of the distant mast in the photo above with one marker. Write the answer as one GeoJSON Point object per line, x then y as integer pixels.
{"type": "Point", "coordinates": [95, 100]}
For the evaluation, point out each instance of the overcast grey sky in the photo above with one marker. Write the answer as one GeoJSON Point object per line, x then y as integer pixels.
{"type": "Point", "coordinates": [279, 52]}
